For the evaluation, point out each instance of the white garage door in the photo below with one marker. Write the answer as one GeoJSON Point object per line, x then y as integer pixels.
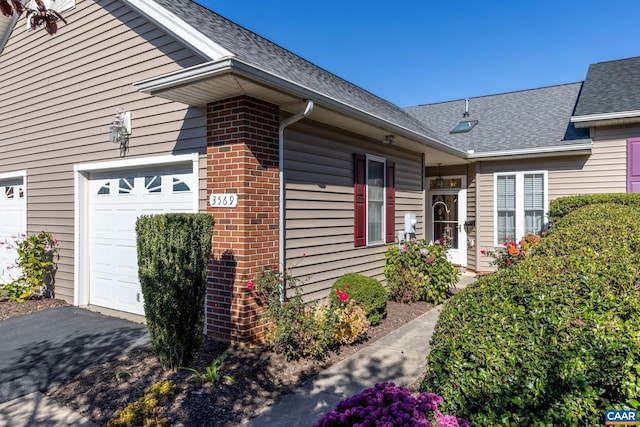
{"type": "Point", "coordinates": [116, 202]}
{"type": "Point", "coordinates": [12, 224]}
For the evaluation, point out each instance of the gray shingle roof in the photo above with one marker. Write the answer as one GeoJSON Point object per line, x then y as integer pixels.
{"type": "Point", "coordinates": [261, 53]}
{"type": "Point", "coordinates": [528, 119]}
{"type": "Point", "coordinates": [611, 87]}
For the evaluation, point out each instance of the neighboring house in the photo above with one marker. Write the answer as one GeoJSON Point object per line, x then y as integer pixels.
{"type": "Point", "coordinates": [318, 173]}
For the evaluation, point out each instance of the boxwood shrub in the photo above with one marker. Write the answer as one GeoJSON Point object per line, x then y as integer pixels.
{"type": "Point", "coordinates": [173, 253]}
{"type": "Point", "coordinates": [560, 207]}
{"type": "Point", "coordinates": [367, 292]}
{"type": "Point", "coordinates": [554, 340]}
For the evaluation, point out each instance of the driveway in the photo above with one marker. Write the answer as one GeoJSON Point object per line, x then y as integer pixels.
{"type": "Point", "coordinates": [41, 350]}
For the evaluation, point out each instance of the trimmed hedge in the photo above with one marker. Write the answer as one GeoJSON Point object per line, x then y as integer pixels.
{"type": "Point", "coordinates": [173, 253]}
{"type": "Point", "coordinates": [553, 340]}
{"type": "Point", "coordinates": [560, 207]}
{"type": "Point", "coordinates": [367, 292]}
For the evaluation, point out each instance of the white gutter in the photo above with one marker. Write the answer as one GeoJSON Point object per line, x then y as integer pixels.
{"type": "Point", "coordinates": [538, 152]}
{"type": "Point", "coordinates": [606, 116]}
{"type": "Point", "coordinates": [282, 203]}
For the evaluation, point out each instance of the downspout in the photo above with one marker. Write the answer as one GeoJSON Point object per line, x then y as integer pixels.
{"type": "Point", "coordinates": [282, 206]}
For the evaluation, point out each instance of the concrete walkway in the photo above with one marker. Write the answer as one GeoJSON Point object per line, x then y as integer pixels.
{"type": "Point", "coordinates": [398, 357]}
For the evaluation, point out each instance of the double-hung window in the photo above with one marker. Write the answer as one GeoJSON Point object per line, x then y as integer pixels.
{"type": "Point", "coordinates": [521, 201]}
{"type": "Point", "coordinates": [374, 200]}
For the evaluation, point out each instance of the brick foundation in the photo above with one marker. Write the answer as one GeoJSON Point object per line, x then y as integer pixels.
{"type": "Point", "coordinates": [242, 158]}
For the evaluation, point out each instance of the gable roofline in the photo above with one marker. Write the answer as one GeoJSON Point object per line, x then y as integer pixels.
{"type": "Point", "coordinates": [162, 85]}
{"type": "Point", "coordinates": [180, 29]}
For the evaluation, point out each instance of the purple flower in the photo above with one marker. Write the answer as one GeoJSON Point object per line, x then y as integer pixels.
{"type": "Point", "coordinates": [388, 405]}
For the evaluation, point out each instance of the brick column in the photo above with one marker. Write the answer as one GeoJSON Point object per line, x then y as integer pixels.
{"type": "Point", "coordinates": [242, 158]}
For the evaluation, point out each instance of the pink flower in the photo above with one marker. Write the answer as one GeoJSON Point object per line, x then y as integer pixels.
{"type": "Point", "coordinates": [430, 260]}
{"type": "Point", "coordinates": [249, 285]}
{"type": "Point", "coordinates": [483, 252]}
{"type": "Point", "coordinates": [508, 262]}
{"type": "Point", "coordinates": [342, 295]}
{"type": "Point", "coordinates": [404, 248]}
{"type": "Point", "coordinates": [347, 286]}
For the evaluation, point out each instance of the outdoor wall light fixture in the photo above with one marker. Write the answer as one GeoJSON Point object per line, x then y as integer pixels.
{"type": "Point", "coordinates": [120, 129]}
{"type": "Point", "coordinates": [439, 180]}
{"type": "Point", "coordinates": [389, 139]}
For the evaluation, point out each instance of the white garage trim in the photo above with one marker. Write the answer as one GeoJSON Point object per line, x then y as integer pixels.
{"type": "Point", "coordinates": [81, 208]}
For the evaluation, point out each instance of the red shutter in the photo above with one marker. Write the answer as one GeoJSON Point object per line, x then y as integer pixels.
{"type": "Point", "coordinates": [360, 201]}
{"type": "Point", "coordinates": [390, 195]}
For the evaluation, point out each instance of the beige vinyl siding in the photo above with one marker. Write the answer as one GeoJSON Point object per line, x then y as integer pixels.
{"type": "Point", "coordinates": [319, 176]}
{"type": "Point", "coordinates": [604, 171]}
{"type": "Point", "coordinates": [472, 251]}
{"type": "Point", "coordinates": [59, 95]}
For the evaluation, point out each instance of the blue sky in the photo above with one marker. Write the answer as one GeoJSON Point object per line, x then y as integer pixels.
{"type": "Point", "coordinates": [425, 51]}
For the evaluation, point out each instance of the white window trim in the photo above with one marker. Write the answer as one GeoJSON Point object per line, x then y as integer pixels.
{"type": "Point", "coordinates": [519, 201]}
{"type": "Point", "coordinates": [384, 198]}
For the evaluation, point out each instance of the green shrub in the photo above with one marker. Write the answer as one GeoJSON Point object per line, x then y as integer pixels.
{"type": "Point", "coordinates": [402, 283]}
{"type": "Point", "coordinates": [173, 253]}
{"type": "Point", "coordinates": [367, 292]}
{"type": "Point", "coordinates": [351, 323]}
{"type": "Point", "coordinates": [36, 255]}
{"type": "Point", "coordinates": [560, 207]}
{"type": "Point", "coordinates": [422, 267]}
{"type": "Point", "coordinates": [295, 329]}
{"type": "Point", "coordinates": [553, 340]}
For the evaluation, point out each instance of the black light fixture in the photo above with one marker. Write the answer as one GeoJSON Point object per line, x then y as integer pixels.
{"type": "Point", "coordinates": [439, 180]}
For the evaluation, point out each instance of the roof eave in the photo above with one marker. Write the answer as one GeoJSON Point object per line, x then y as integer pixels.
{"type": "Point", "coordinates": [178, 28]}
{"type": "Point", "coordinates": [606, 119]}
{"type": "Point", "coordinates": [156, 85]}
{"type": "Point", "coordinates": [552, 151]}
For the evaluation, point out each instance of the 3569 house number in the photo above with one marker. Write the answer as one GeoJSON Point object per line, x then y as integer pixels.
{"type": "Point", "coordinates": [226, 200]}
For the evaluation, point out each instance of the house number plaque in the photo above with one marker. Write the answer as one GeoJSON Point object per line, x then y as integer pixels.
{"type": "Point", "coordinates": [224, 200]}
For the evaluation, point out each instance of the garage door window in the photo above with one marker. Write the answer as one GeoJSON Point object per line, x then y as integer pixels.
{"type": "Point", "coordinates": [126, 185]}
{"type": "Point", "coordinates": [179, 186]}
{"type": "Point", "coordinates": [153, 184]}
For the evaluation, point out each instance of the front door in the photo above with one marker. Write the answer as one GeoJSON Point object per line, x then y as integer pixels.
{"type": "Point", "coordinates": [633, 165]}
{"type": "Point", "coordinates": [447, 210]}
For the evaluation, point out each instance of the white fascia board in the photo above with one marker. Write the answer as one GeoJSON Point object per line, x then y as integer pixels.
{"type": "Point", "coordinates": [534, 152]}
{"type": "Point", "coordinates": [184, 32]}
{"type": "Point", "coordinates": [157, 84]}
{"type": "Point", "coordinates": [7, 27]}
{"type": "Point", "coordinates": [606, 116]}
{"type": "Point", "coordinates": [184, 77]}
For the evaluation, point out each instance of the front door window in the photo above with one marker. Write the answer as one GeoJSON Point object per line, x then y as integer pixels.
{"type": "Point", "coordinates": [445, 219]}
